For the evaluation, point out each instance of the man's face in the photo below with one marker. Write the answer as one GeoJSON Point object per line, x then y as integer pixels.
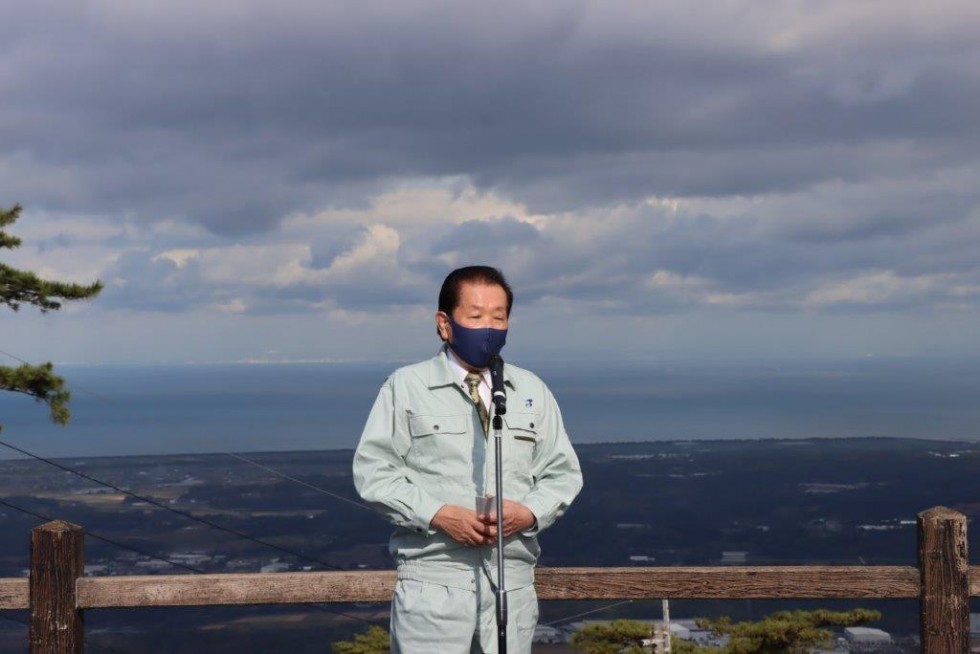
{"type": "Point", "coordinates": [480, 305]}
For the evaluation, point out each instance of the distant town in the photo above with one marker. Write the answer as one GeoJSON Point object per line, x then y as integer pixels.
{"type": "Point", "coordinates": [764, 502]}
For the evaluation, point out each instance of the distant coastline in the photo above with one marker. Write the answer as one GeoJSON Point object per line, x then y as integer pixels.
{"type": "Point", "coordinates": [723, 442]}
{"type": "Point", "coordinates": [124, 410]}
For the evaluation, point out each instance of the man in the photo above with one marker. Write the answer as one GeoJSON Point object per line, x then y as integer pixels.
{"type": "Point", "coordinates": [426, 462]}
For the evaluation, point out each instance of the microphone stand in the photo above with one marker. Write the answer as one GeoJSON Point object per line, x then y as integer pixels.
{"type": "Point", "coordinates": [500, 408]}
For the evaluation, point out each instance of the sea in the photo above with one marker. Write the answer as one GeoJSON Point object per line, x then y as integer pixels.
{"type": "Point", "coordinates": [172, 409]}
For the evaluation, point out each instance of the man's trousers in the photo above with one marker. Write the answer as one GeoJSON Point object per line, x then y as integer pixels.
{"type": "Point", "coordinates": [428, 617]}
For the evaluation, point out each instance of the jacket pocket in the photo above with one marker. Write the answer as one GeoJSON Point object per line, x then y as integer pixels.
{"type": "Point", "coordinates": [439, 444]}
{"type": "Point", "coordinates": [523, 430]}
{"type": "Point", "coordinates": [420, 426]}
{"type": "Point", "coordinates": [522, 425]}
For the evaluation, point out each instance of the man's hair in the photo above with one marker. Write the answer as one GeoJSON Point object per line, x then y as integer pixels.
{"type": "Point", "coordinates": [449, 293]}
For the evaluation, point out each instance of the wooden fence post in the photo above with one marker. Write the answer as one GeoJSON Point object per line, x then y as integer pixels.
{"type": "Point", "coordinates": [944, 600]}
{"type": "Point", "coordinates": [57, 560]}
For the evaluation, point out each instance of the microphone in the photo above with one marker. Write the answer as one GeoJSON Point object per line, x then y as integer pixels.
{"type": "Point", "coordinates": [498, 393]}
{"type": "Point", "coordinates": [499, 396]}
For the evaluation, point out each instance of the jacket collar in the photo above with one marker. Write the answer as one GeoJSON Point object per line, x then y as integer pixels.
{"type": "Point", "coordinates": [441, 373]}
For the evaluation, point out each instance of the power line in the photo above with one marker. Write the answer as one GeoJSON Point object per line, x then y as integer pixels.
{"type": "Point", "coordinates": [13, 619]}
{"type": "Point", "coordinates": [252, 462]}
{"type": "Point", "coordinates": [184, 514]}
{"type": "Point", "coordinates": [74, 386]}
{"type": "Point", "coordinates": [579, 615]}
{"type": "Point", "coordinates": [102, 538]}
{"type": "Point", "coordinates": [161, 558]}
{"type": "Point", "coordinates": [190, 516]}
{"type": "Point", "coordinates": [14, 357]}
{"type": "Point", "coordinates": [88, 643]}
{"type": "Point", "coordinates": [365, 506]}
{"type": "Point", "coordinates": [231, 454]}
{"type": "Point", "coordinates": [359, 505]}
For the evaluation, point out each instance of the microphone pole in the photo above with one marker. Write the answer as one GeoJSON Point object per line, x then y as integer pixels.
{"type": "Point", "coordinates": [499, 409]}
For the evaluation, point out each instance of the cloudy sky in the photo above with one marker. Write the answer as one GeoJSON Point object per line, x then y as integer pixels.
{"type": "Point", "coordinates": [667, 180]}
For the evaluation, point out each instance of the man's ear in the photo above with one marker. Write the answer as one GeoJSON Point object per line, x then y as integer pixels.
{"type": "Point", "coordinates": [443, 327]}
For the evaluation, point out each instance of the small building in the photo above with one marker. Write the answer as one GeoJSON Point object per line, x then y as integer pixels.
{"type": "Point", "coordinates": [548, 635]}
{"type": "Point", "coordinates": [189, 558]}
{"type": "Point", "coordinates": [153, 565]}
{"type": "Point", "coordinates": [866, 639]}
{"type": "Point", "coordinates": [275, 566]}
{"type": "Point", "coordinates": [681, 631]}
{"type": "Point", "coordinates": [688, 629]}
{"type": "Point", "coordinates": [734, 558]}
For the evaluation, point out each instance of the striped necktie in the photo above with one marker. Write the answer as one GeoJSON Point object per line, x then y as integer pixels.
{"type": "Point", "coordinates": [473, 380]}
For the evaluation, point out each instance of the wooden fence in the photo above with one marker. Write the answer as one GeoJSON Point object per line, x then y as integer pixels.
{"type": "Point", "coordinates": [57, 593]}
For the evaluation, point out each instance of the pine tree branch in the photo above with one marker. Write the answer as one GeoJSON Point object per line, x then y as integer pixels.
{"type": "Point", "coordinates": [19, 287]}
{"type": "Point", "coordinates": [40, 383]}
{"type": "Point", "coordinates": [22, 287]}
{"type": "Point", "coordinates": [7, 217]}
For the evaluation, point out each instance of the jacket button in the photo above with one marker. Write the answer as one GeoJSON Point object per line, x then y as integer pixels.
{"type": "Point", "coordinates": [532, 425]}
{"type": "Point", "coordinates": [435, 426]}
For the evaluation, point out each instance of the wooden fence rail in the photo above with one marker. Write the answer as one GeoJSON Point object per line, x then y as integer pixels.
{"type": "Point", "coordinates": [57, 594]}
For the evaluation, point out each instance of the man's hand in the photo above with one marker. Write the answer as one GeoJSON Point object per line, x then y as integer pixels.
{"type": "Point", "coordinates": [462, 525]}
{"type": "Point", "coordinates": [517, 517]}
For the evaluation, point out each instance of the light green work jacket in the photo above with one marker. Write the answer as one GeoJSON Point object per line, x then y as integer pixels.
{"type": "Point", "coordinates": [423, 447]}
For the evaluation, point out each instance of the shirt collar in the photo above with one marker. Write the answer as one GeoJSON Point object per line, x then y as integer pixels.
{"type": "Point", "coordinates": [459, 372]}
{"type": "Point", "coordinates": [447, 371]}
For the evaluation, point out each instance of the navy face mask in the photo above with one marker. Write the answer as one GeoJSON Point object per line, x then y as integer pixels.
{"type": "Point", "coordinates": [476, 346]}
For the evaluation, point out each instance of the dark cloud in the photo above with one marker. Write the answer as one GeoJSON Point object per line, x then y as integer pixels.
{"type": "Point", "coordinates": [144, 281]}
{"type": "Point", "coordinates": [820, 158]}
{"type": "Point", "coordinates": [379, 296]}
{"type": "Point", "coordinates": [327, 248]}
{"type": "Point", "coordinates": [487, 237]}
{"type": "Point", "coordinates": [235, 117]}
{"type": "Point", "coordinates": [140, 281]}
{"type": "Point", "coordinates": [654, 259]}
